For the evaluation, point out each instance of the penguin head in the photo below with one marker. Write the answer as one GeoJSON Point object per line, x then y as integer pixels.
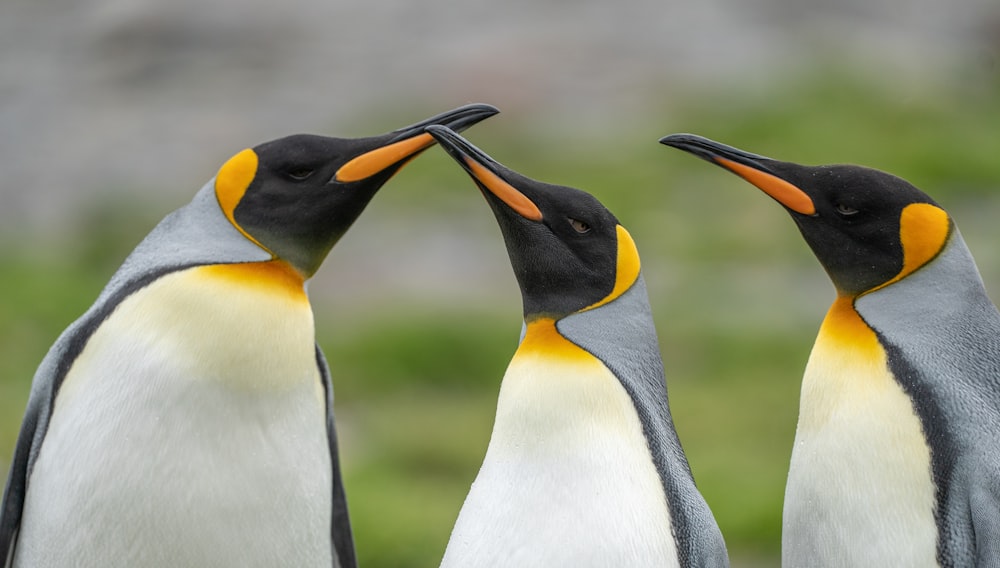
{"type": "Point", "coordinates": [868, 228]}
{"type": "Point", "coordinates": [296, 196]}
{"type": "Point", "coordinates": [568, 252]}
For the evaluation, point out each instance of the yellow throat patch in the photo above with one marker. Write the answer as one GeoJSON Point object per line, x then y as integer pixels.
{"type": "Point", "coordinates": [543, 339]}
{"type": "Point", "coordinates": [273, 276]}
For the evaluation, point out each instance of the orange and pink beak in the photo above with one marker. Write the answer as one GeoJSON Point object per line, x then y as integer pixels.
{"type": "Point", "coordinates": [751, 167]}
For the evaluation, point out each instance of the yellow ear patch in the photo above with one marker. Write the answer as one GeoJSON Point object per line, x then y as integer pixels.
{"type": "Point", "coordinates": [370, 163]}
{"type": "Point", "coordinates": [231, 184]}
{"type": "Point", "coordinates": [504, 191]}
{"type": "Point", "coordinates": [923, 232]}
{"type": "Point", "coordinates": [782, 191]}
{"type": "Point", "coordinates": [626, 270]}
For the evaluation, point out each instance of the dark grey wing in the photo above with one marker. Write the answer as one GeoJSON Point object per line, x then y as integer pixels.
{"type": "Point", "coordinates": [623, 336]}
{"type": "Point", "coordinates": [340, 528]}
{"type": "Point", "coordinates": [984, 509]}
{"type": "Point", "coordinates": [195, 234]}
{"type": "Point", "coordinates": [17, 481]}
{"type": "Point", "coordinates": [44, 387]}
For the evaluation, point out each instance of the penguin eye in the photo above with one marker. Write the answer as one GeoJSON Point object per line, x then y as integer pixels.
{"type": "Point", "coordinates": [299, 173]}
{"type": "Point", "coordinates": [846, 210]}
{"type": "Point", "coordinates": [579, 226]}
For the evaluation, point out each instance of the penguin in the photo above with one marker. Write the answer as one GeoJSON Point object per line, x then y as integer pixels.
{"type": "Point", "coordinates": [186, 419]}
{"type": "Point", "coordinates": [584, 466]}
{"type": "Point", "coordinates": [896, 459]}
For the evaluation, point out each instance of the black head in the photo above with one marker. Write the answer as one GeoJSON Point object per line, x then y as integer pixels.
{"type": "Point", "coordinates": [868, 228]}
{"type": "Point", "coordinates": [296, 196]}
{"type": "Point", "coordinates": [568, 251]}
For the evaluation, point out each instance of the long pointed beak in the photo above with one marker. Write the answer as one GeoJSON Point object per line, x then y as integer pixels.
{"type": "Point", "coordinates": [485, 171]}
{"type": "Point", "coordinates": [401, 145]}
{"type": "Point", "coordinates": [751, 167]}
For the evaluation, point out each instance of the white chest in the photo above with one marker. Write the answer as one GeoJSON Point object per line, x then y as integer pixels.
{"type": "Point", "coordinates": [568, 478]}
{"type": "Point", "coordinates": [860, 491]}
{"type": "Point", "coordinates": [190, 431]}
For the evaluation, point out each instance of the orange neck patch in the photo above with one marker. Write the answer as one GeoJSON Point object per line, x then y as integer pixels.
{"type": "Point", "coordinates": [845, 327]}
{"type": "Point", "coordinates": [370, 163]}
{"type": "Point", "coordinates": [272, 276]}
{"type": "Point", "coordinates": [784, 192]}
{"type": "Point", "coordinates": [231, 185]}
{"type": "Point", "coordinates": [626, 270]}
{"type": "Point", "coordinates": [543, 339]}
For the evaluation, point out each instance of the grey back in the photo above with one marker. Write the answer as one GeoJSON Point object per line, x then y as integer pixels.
{"type": "Point", "coordinates": [622, 335]}
{"type": "Point", "coordinates": [941, 333]}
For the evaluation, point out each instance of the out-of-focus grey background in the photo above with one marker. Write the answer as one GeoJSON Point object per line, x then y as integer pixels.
{"type": "Point", "coordinates": [114, 112]}
{"type": "Point", "coordinates": [101, 95]}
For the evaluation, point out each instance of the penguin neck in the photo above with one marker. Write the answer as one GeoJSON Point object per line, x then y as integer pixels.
{"type": "Point", "coordinates": [551, 373]}
{"type": "Point", "coordinates": [845, 327]}
{"type": "Point", "coordinates": [568, 445]}
{"type": "Point", "coordinates": [859, 488]}
{"type": "Point", "coordinates": [193, 235]}
{"type": "Point", "coordinates": [622, 335]}
{"type": "Point", "coordinates": [275, 276]}
{"type": "Point", "coordinates": [559, 403]}
{"type": "Point", "coordinates": [541, 338]}
{"type": "Point", "coordinates": [944, 290]}
{"type": "Point", "coordinates": [846, 360]}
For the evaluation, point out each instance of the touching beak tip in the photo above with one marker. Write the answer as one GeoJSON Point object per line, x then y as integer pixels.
{"type": "Point", "coordinates": [412, 140]}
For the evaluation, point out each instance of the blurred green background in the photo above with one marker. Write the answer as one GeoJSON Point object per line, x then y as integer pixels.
{"type": "Point", "coordinates": [737, 296]}
{"type": "Point", "coordinates": [417, 310]}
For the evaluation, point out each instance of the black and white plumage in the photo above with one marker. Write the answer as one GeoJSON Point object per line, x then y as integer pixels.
{"type": "Point", "coordinates": [186, 418]}
{"type": "Point", "coordinates": [897, 451]}
{"type": "Point", "coordinates": [584, 466]}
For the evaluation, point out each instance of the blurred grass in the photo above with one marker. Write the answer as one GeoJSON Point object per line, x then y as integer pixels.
{"type": "Point", "coordinates": [737, 295]}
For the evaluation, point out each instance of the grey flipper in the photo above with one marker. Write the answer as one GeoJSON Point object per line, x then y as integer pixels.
{"type": "Point", "coordinates": [984, 503]}
{"type": "Point", "coordinates": [622, 335]}
{"type": "Point", "coordinates": [341, 536]}
{"type": "Point", "coordinates": [941, 333]}
{"type": "Point", "coordinates": [195, 234]}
